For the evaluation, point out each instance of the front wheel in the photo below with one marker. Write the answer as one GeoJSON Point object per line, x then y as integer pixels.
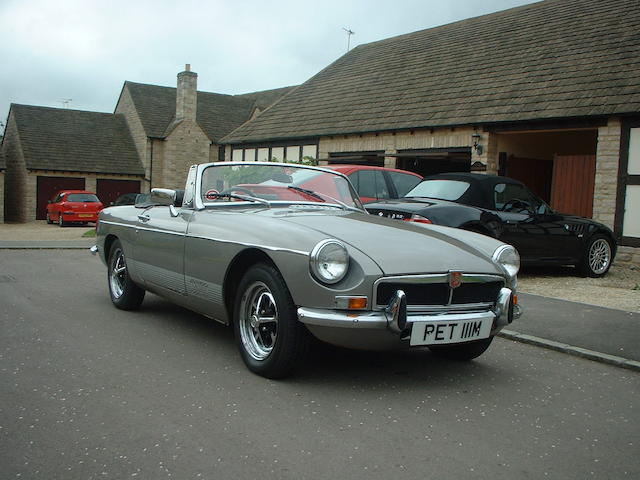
{"type": "Point", "coordinates": [271, 340]}
{"type": "Point", "coordinates": [462, 351]}
{"type": "Point", "coordinates": [125, 294]}
{"type": "Point", "coordinates": [61, 221]}
{"type": "Point", "coordinates": [49, 221]}
{"type": "Point", "coordinates": [597, 257]}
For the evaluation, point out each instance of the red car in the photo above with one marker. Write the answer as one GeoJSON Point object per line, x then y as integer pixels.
{"type": "Point", "coordinates": [73, 206]}
{"type": "Point", "coordinates": [378, 183]}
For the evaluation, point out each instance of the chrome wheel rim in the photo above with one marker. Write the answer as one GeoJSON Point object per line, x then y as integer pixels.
{"type": "Point", "coordinates": [599, 256]}
{"type": "Point", "coordinates": [60, 221]}
{"type": "Point", "coordinates": [258, 321]}
{"type": "Point", "coordinates": [118, 274]}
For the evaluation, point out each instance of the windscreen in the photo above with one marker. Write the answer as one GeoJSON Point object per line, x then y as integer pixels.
{"type": "Point", "coordinates": [276, 183]}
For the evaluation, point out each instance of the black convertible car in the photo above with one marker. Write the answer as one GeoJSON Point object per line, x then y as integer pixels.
{"type": "Point", "coordinates": [506, 209]}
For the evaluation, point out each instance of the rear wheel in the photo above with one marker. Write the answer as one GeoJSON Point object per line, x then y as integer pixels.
{"type": "Point", "coordinates": [597, 257]}
{"type": "Point", "coordinates": [125, 294]}
{"type": "Point", "coordinates": [462, 351]}
{"type": "Point", "coordinates": [271, 340]}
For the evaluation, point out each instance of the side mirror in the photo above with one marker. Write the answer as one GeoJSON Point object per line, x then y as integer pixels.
{"type": "Point", "coordinates": [48, 201]}
{"type": "Point", "coordinates": [165, 196]}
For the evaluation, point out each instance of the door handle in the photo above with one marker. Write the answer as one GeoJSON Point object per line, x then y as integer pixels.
{"type": "Point", "coordinates": [144, 218]}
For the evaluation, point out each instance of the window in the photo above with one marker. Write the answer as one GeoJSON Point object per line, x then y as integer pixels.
{"type": "Point", "coordinates": [516, 199]}
{"type": "Point", "coordinates": [293, 154]}
{"type": "Point", "coordinates": [403, 182]}
{"type": "Point", "coordinates": [309, 151]}
{"type": "Point", "coordinates": [263, 155]}
{"type": "Point", "coordinates": [82, 197]}
{"type": "Point", "coordinates": [250, 155]}
{"type": "Point", "coordinates": [236, 155]}
{"type": "Point", "coordinates": [450, 190]}
{"type": "Point", "coordinates": [277, 153]}
{"type": "Point", "coordinates": [370, 184]}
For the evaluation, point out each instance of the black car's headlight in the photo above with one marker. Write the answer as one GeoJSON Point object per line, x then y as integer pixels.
{"type": "Point", "coordinates": [329, 261]}
{"type": "Point", "coordinates": [508, 258]}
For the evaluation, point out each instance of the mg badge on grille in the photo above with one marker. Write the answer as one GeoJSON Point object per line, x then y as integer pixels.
{"type": "Point", "coordinates": [455, 279]}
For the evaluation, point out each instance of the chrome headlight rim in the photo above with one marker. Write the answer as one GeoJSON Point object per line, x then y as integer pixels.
{"type": "Point", "coordinates": [511, 268]}
{"type": "Point", "coordinates": [315, 261]}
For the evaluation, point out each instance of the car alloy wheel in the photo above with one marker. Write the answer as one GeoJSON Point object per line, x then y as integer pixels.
{"type": "Point", "coordinates": [60, 220]}
{"type": "Point", "coordinates": [125, 294]}
{"type": "Point", "coordinates": [271, 340]}
{"type": "Point", "coordinates": [599, 256]}
{"type": "Point", "coordinates": [118, 274]}
{"type": "Point", "coordinates": [258, 321]}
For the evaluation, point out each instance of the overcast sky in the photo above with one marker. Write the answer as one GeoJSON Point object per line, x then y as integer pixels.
{"type": "Point", "coordinates": [83, 50]}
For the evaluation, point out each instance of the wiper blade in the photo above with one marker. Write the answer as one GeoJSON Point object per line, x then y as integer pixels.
{"type": "Point", "coordinates": [247, 198]}
{"type": "Point", "coordinates": [311, 193]}
{"type": "Point", "coordinates": [322, 197]}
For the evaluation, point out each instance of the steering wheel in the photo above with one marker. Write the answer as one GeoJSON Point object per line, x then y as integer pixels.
{"type": "Point", "coordinates": [246, 191]}
{"type": "Point", "coordinates": [516, 204]}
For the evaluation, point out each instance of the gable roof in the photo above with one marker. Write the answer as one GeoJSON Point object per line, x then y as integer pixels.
{"type": "Point", "coordinates": [74, 140]}
{"type": "Point", "coordinates": [217, 114]}
{"type": "Point", "coordinates": [552, 59]}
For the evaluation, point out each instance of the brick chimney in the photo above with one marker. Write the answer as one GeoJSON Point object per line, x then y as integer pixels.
{"type": "Point", "coordinates": [187, 94]}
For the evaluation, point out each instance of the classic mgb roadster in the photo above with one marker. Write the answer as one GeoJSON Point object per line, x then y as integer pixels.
{"type": "Point", "coordinates": [283, 252]}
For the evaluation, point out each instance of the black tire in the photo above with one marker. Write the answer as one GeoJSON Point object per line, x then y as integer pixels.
{"type": "Point", "coordinates": [61, 221]}
{"type": "Point", "coordinates": [271, 340]}
{"type": "Point", "coordinates": [124, 294]}
{"type": "Point", "coordinates": [462, 351]}
{"type": "Point", "coordinates": [597, 257]}
{"type": "Point", "coordinates": [49, 221]}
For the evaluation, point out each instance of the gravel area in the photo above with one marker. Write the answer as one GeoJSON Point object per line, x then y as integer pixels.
{"type": "Point", "coordinates": [619, 289]}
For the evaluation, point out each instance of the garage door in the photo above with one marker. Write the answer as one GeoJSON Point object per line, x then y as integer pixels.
{"type": "Point", "coordinates": [109, 190]}
{"type": "Point", "coordinates": [47, 187]}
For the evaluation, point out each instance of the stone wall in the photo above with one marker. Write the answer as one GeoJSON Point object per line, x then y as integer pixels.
{"type": "Point", "coordinates": [127, 108]}
{"type": "Point", "coordinates": [15, 178]}
{"type": "Point", "coordinates": [1, 196]}
{"type": "Point", "coordinates": [185, 146]}
{"type": "Point", "coordinates": [606, 181]}
{"type": "Point", "coordinates": [419, 139]}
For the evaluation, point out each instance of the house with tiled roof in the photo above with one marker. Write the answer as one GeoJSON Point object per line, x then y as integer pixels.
{"type": "Point", "coordinates": [152, 138]}
{"type": "Point", "coordinates": [173, 128]}
{"type": "Point", "coordinates": [547, 93]}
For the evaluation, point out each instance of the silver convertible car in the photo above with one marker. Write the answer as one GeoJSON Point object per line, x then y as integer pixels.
{"type": "Point", "coordinates": [284, 252]}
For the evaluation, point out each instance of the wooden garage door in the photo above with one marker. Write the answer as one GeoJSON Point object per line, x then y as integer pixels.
{"type": "Point", "coordinates": [47, 187]}
{"type": "Point", "coordinates": [573, 184]}
{"type": "Point", "coordinates": [109, 190]}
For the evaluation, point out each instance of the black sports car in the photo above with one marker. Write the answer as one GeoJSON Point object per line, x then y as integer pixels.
{"type": "Point", "coordinates": [506, 209]}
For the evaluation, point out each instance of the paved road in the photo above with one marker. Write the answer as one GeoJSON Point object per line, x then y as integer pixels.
{"type": "Point", "coordinates": [89, 391]}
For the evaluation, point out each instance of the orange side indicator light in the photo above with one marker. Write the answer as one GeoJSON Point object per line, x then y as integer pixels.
{"type": "Point", "coordinates": [357, 303]}
{"type": "Point", "coordinates": [515, 299]}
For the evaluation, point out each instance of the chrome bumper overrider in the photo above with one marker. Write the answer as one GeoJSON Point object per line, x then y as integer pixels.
{"type": "Point", "coordinates": [94, 250]}
{"type": "Point", "coordinates": [396, 319]}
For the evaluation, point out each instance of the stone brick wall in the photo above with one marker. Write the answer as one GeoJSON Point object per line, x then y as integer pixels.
{"type": "Point", "coordinates": [15, 184]}
{"type": "Point", "coordinates": [606, 181]}
{"type": "Point", "coordinates": [392, 142]}
{"type": "Point", "coordinates": [185, 146]}
{"type": "Point", "coordinates": [1, 196]}
{"type": "Point", "coordinates": [127, 108]}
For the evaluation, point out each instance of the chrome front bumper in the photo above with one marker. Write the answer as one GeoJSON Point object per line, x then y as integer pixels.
{"type": "Point", "coordinates": [395, 319]}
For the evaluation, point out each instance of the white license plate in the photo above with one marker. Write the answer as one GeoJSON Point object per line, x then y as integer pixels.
{"type": "Point", "coordinates": [437, 333]}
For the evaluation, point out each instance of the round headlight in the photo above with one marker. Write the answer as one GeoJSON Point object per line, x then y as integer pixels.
{"type": "Point", "coordinates": [508, 258]}
{"type": "Point", "coordinates": [329, 261]}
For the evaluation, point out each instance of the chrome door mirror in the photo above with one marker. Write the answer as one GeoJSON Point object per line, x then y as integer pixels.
{"type": "Point", "coordinates": [164, 196]}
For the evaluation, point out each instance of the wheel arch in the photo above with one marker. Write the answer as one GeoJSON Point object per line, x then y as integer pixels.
{"type": "Point", "coordinates": [235, 271]}
{"type": "Point", "coordinates": [108, 243]}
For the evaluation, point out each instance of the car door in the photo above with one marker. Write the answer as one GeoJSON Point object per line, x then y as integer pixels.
{"type": "Point", "coordinates": [531, 226]}
{"type": "Point", "coordinates": [159, 248]}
